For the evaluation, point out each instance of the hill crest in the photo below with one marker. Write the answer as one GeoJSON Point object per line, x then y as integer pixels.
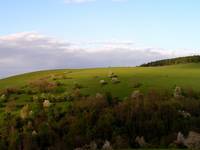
{"type": "Point", "coordinates": [173, 61]}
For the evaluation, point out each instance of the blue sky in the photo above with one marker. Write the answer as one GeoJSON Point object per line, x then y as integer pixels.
{"type": "Point", "coordinates": [160, 23]}
{"type": "Point", "coordinates": [165, 25]}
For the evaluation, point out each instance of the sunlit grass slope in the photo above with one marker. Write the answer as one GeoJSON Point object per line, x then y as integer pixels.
{"type": "Point", "coordinates": [143, 78]}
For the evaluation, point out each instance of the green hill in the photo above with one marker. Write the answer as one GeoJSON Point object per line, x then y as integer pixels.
{"type": "Point", "coordinates": [70, 108]}
{"type": "Point", "coordinates": [143, 78]}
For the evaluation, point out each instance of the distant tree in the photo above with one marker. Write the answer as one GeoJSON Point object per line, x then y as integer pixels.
{"type": "Point", "coordinates": [179, 60]}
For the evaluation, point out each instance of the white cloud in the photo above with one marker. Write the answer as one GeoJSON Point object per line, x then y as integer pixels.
{"type": "Point", "coordinates": [30, 51]}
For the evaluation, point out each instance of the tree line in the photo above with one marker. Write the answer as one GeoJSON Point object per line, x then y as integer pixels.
{"type": "Point", "coordinates": [173, 61]}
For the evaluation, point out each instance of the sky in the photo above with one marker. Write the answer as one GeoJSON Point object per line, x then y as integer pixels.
{"type": "Point", "coordinates": [53, 34]}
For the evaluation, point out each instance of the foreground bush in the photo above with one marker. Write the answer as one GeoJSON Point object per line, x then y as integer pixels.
{"type": "Point", "coordinates": [142, 120]}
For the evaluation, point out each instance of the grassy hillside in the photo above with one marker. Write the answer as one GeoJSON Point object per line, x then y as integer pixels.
{"type": "Point", "coordinates": [61, 108]}
{"type": "Point", "coordinates": [143, 78]}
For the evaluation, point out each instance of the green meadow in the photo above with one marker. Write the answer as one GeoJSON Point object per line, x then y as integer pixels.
{"type": "Point", "coordinates": [131, 78]}
{"type": "Point", "coordinates": [76, 96]}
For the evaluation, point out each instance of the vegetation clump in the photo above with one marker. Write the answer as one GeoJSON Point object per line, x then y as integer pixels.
{"type": "Point", "coordinates": [24, 113]}
{"type": "Point", "coordinates": [99, 96]}
{"type": "Point", "coordinates": [3, 98]}
{"type": "Point", "coordinates": [141, 141]}
{"type": "Point", "coordinates": [77, 86]}
{"type": "Point", "coordinates": [115, 80]}
{"type": "Point", "coordinates": [107, 146]}
{"type": "Point", "coordinates": [46, 104]}
{"type": "Point", "coordinates": [178, 92]}
{"type": "Point", "coordinates": [193, 140]}
{"type": "Point", "coordinates": [112, 75]}
{"type": "Point", "coordinates": [89, 121]}
{"type": "Point", "coordinates": [180, 141]}
{"type": "Point", "coordinates": [184, 114]}
{"type": "Point", "coordinates": [43, 85]}
{"type": "Point", "coordinates": [137, 85]}
{"type": "Point", "coordinates": [103, 82]}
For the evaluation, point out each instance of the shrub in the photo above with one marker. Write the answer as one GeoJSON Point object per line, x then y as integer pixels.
{"type": "Point", "coordinates": [107, 146]}
{"type": "Point", "coordinates": [90, 103]}
{"type": "Point", "coordinates": [59, 90]}
{"type": "Point", "coordinates": [3, 98]}
{"type": "Point", "coordinates": [46, 104]}
{"type": "Point", "coordinates": [59, 83]}
{"type": "Point", "coordinates": [193, 140]}
{"type": "Point", "coordinates": [98, 118]}
{"type": "Point", "coordinates": [11, 90]}
{"type": "Point", "coordinates": [99, 96]}
{"type": "Point", "coordinates": [43, 85]}
{"type": "Point", "coordinates": [115, 80]}
{"type": "Point", "coordinates": [10, 106]}
{"type": "Point", "coordinates": [141, 141]}
{"type": "Point", "coordinates": [77, 86]}
{"type": "Point", "coordinates": [177, 92]}
{"type": "Point", "coordinates": [103, 82]}
{"type": "Point", "coordinates": [35, 98]}
{"type": "Point", "coordinates": [137, 95]}
{"type": "Point", "coordinates": [137, 85]}
{"type": "Point", "coordinates": [43, 96]}
{"type": "Point", "coordinates": [120, 143]}
{"type": "Point", "coordinates": [112, 75]}
{"type": "Point", "coordinates": [67, 96]}
{"type": "Point", "coordinates": [76, 93]}
{"type": "Point", "coordinates": [24, 113]}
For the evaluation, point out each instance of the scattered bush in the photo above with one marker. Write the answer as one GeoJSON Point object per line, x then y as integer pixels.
{"type": "Point", "coordinates": [107, 146]}
{"type": "Point", "coordinates": [77, 86]}
{"type": "Point", "coordinates": [193, 140]}
{"type": "Point", "coordinates": [177, 92]}
{"type": "Point", "coordinates": [136, 95]}
{"type": "Point", "coordinates": [120, 142]}
{"type": "Point", "coordinates": [10, 106]}
{"type": "Point", "coordinates": [99, 96]}
{"type": "Point", "coordinates": [79, 120]}
{"type": "Point", "coordinates": [24, 113]}
{"type": "Point", "coordinates": [35, 98]}
{"type": "Point", "coordinates": [76, 93]}
{"type": "Point", "coordinates": [46, 104]}
{"type": "Point", "coordinates": [3, 98]}
{"type": "Point", "coordinates": [59, 83]}
{"type": "Point", "coordinates": [43, 85]}
{"type": "Point", "coordinates": [59, 90]}
{"type": "Point", "coordinates": [11, 90]}
{"type": "Point", "coordinates": [112, 75]}
{"type": "Point", "coordinates": [103, 82]}
{"type": "Point", "coordinates": [115, 80]}
{"type": "Point", "coordinates": [141, 141]}
{"type": "Point", "coordinates": [137, 85]}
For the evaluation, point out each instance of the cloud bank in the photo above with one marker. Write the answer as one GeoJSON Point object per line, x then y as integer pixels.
{"type": "Point", "coordinates": [30, 51]}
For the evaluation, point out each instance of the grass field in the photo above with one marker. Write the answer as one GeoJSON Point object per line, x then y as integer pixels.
{"type": "Point", "coordinates": [164, 78]}
{"type": "Point", "coordinates": [167, 77]}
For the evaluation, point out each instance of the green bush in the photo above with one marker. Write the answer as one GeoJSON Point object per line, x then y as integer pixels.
{"type": "Point", "coordinates": [76, 123]}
